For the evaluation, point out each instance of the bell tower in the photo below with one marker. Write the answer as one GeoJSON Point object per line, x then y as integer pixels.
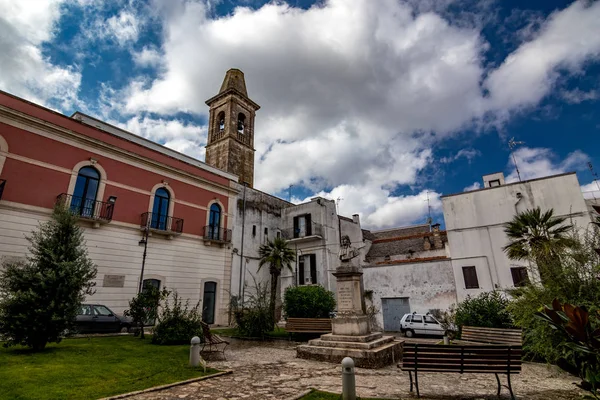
{"type": "Point", "coordinates": [230, 145]}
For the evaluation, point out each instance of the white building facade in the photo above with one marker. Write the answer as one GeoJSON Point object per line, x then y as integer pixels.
{"type": "Point", "coordinates": [475, 227]}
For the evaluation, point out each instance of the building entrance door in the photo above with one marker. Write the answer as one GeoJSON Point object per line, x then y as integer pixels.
{"type": "Point", "coordinates": [393, 311]}
{"type": "Point", "coordinates": [208, 302]}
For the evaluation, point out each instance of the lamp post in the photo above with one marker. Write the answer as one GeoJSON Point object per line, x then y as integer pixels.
{"type": "Point", "coordinates": [143, 242]}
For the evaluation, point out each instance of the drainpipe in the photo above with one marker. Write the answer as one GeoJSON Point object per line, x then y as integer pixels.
{"type": "Point", "coordinates": [242, 270]}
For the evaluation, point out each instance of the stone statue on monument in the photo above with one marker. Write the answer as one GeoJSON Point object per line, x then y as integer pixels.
{"type": "Point", "coordinates": [347, 251]}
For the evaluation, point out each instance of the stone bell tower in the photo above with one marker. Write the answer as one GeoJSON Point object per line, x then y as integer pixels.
{"type": "Point", "coordinates": [230, 144]}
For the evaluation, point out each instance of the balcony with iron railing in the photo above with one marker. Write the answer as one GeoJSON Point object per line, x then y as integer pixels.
{"type": "Point", "coordinates": [161, 224]}
{"type": "Point", "coordinates": [310, 232]}
{"type": "Point", "coordinates": [89, 209]}
{"type": "Point", "coordinates": [215, 234]}
{"type": "Point", "coordinates": [2, 185]}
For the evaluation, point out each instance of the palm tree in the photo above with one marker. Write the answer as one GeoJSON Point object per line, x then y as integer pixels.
{"type": "Point", "coordinates": [278, 255]}
{"type": "Point", "coordinates": [538, 237]}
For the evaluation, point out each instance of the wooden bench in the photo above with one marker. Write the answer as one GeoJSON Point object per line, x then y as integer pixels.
{"type": "Point", "coordinates": [308, 325]}
{"type": "Point", "coordinates": [513, 337]}
{"type": "Point", "coordinates": [479, 359]}
{"type": "Point", "coordinates": [211, 341]}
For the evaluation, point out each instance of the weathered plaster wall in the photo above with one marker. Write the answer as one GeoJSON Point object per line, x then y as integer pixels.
{"type": "Point", "coordinates": [427, 285]}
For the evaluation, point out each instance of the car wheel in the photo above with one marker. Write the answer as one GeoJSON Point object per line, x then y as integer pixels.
{"type": "Point", "coordinates": [124, 329]}
{"type": "Point", "coordinates": [409, 333]}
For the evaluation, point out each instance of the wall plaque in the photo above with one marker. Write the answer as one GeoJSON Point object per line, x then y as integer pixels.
{"type": "Point", "coordinates": [114, 281]}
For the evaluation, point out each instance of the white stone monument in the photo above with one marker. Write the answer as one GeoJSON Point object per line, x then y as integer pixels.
{"type": "Point", "coordinates": [351, 336]}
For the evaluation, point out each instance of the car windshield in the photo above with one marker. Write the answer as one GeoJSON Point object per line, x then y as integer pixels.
{"type": "Point", "coordinates": [417, 318]}
{"type": "Point", "coordinates": [102, 311]}
{"type": "Point", "coordinates": [430, 320]}
{"type": "Point", "coordinates": [408, 318]}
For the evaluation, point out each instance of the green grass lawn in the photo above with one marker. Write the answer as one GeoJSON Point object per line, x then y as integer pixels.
{"type": "Point", "coordinates": [318, 395]}
{"type": "Point", "coordinates": [92, 368]}
{"type": "Point", "coordinates": [278, 333]}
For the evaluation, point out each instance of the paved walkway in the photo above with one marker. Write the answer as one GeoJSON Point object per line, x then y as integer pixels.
{"type": "Point", "coordinates": [271, 371]}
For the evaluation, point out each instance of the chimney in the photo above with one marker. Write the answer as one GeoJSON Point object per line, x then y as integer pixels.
{"type": "Point", "coordinates": [437, 237]}
{"type": "Point", "coordinates": [356, 218]}
{"type": "Point", "coordinates": [426, 244]}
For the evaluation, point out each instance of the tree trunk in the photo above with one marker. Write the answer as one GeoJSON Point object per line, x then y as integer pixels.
{"type": "Point", "coordinates": [274, 277]}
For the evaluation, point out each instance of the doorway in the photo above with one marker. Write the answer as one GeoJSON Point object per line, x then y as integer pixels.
{"type": "Point", "coordinates": [393, 311]}
{"type": "Point", "coordinates": [209, 302]}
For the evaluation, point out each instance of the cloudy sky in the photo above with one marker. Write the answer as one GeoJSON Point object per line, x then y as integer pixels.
{"type": "Point", "coordinates": [378, 103]}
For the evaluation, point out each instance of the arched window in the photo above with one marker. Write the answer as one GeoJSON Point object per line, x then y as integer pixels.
{"type": "Point", "coordinates": [214, 222]}
{"type": "Point", "coordinates": [83, 202]}
{"type": "Point", "coordinates": [160, 210]}
{"type": "Point", "coordinates": [221, 119]}
{"type": "Point", "coordinates": [241, 123]}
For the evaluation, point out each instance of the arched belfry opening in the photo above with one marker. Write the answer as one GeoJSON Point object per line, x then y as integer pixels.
{"type": "Point", "coordinates": [230, 144]}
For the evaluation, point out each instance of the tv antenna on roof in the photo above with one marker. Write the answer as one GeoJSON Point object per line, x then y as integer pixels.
{"type": "Point", "coordinates": [594, 174]}
{"type": "Point", "coordinates": [429, 219]}
{"type": "Point", "coordinates": [512, 144]}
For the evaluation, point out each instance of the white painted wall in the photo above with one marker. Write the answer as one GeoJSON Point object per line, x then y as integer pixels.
{"type": "Point", "coordinates": [183, 263]}
{"type": "Point", "coordinates": [474, 222]}
{"type": "Point", "coordinates": [428, 285]}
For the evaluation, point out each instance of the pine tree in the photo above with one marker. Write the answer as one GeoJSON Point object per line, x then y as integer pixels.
{"type": "Point", "coordinates": [40, 297]}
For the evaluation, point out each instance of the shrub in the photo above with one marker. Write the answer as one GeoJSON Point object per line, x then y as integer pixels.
{"type": "Point", "coordinates": [253, 318]}
{"type": "Point", "coordinates": [40, 298]}
{"type": "Point", "coordinates": [447, 320]}
{"type": "Point", "coordinates": [144, 306]}
{"type": "Point", "coordinates": [312, 301]}
{"type": "Point", "coordinates": [177, 323]}
{"type": "Point", "coordinates": [488, 310]}
{"type": "Point", "coordinates": [577, 284]}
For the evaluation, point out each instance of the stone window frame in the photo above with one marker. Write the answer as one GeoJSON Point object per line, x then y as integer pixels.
{"type": "Point", "coordinates": [3, 152]}
{"type": "Point", "coordinates": [168, 188]}
{"type": "Point", "coordinates": [75, 173]}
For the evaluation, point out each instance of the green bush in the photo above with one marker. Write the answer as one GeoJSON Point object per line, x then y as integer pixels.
{"type": "Point", "coordinates": [577, 283]}
{"type": "Point", "coordinates": [488, 310]}
{"type": "Point", "coordinates": [312, 301]}
{"type": "Point", "coordinates": [177, 323]}
{"type": "Point", "coordinates": [143, 308]}
{"type": "Point", "coordinates": [253, 318]}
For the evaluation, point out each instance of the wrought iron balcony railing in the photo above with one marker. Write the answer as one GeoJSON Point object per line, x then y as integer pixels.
{"type": "Point", "coordinates": [217, 234]}
{"type": "Point", "coordinates": [312, 229]}
{"type": "Point", "coordinates": [161, 222]}
{"type": "Point", "coordinates": [2, 184]}
{"type": "Point", "coordinates": [87, 208]}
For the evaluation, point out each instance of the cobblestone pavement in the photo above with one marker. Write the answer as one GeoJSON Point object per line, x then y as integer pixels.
{"type": "Point", "coordinates": [272, 371]}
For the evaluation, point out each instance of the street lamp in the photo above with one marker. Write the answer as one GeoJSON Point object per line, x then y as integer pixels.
{"type": "Point", "coordinates": [143, 242]}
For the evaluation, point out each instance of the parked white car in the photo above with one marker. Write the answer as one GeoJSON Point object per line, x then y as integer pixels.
{"type": "Point", "coordinates": [420, 324]}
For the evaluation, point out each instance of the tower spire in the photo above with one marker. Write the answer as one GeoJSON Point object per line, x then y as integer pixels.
{"type": "Point", "coordinates": [230, 145]}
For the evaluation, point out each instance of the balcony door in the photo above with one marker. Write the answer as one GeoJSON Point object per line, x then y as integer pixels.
{"type": "Point", "coordinates": [214, 222]}
{"type": "Point", "coordinates": [86, 189]}
{"type": "Point", "coordinates": [160, 210]}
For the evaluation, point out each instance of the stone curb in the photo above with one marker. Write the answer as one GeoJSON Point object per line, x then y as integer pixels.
{"type": "Point", "coordinates": [167, 386]}
{"type": "Point", "coordinates": [301, 395]}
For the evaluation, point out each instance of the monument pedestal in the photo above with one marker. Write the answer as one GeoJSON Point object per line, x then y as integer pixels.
{"type": "Point", "coordinates": [351, 335]}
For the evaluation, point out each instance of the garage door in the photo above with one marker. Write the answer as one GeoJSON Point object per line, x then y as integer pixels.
{"type": "Point", "coordinates": [393, 311]}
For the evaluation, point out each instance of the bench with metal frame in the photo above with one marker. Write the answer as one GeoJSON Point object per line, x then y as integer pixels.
{"type": "Point", "coordinates": [513, 337]}
{"type": "Point", "coordinates": [479, 359]}
{"type": "Point", "coordinates": [211, 341]}
{"type": "Point", "coordinates": [308, 325]}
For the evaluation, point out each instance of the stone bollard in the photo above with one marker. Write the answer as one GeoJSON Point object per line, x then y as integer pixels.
{"type": "Point", "coordinates": [195, 352]}
{"type": "Point", "coordinates": [348, 380]}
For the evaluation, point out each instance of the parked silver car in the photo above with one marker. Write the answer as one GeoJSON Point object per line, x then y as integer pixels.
{"type": "Point", "coordinates": [420, 324]}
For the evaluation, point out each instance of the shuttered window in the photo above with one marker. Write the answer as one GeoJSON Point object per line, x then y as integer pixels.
{"type": "Point", "coordinates": [310, 261]}
{"type": "Point", "coordinates": [519, 276]}
{"type": "Point", "coordinates": [470, 275]}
